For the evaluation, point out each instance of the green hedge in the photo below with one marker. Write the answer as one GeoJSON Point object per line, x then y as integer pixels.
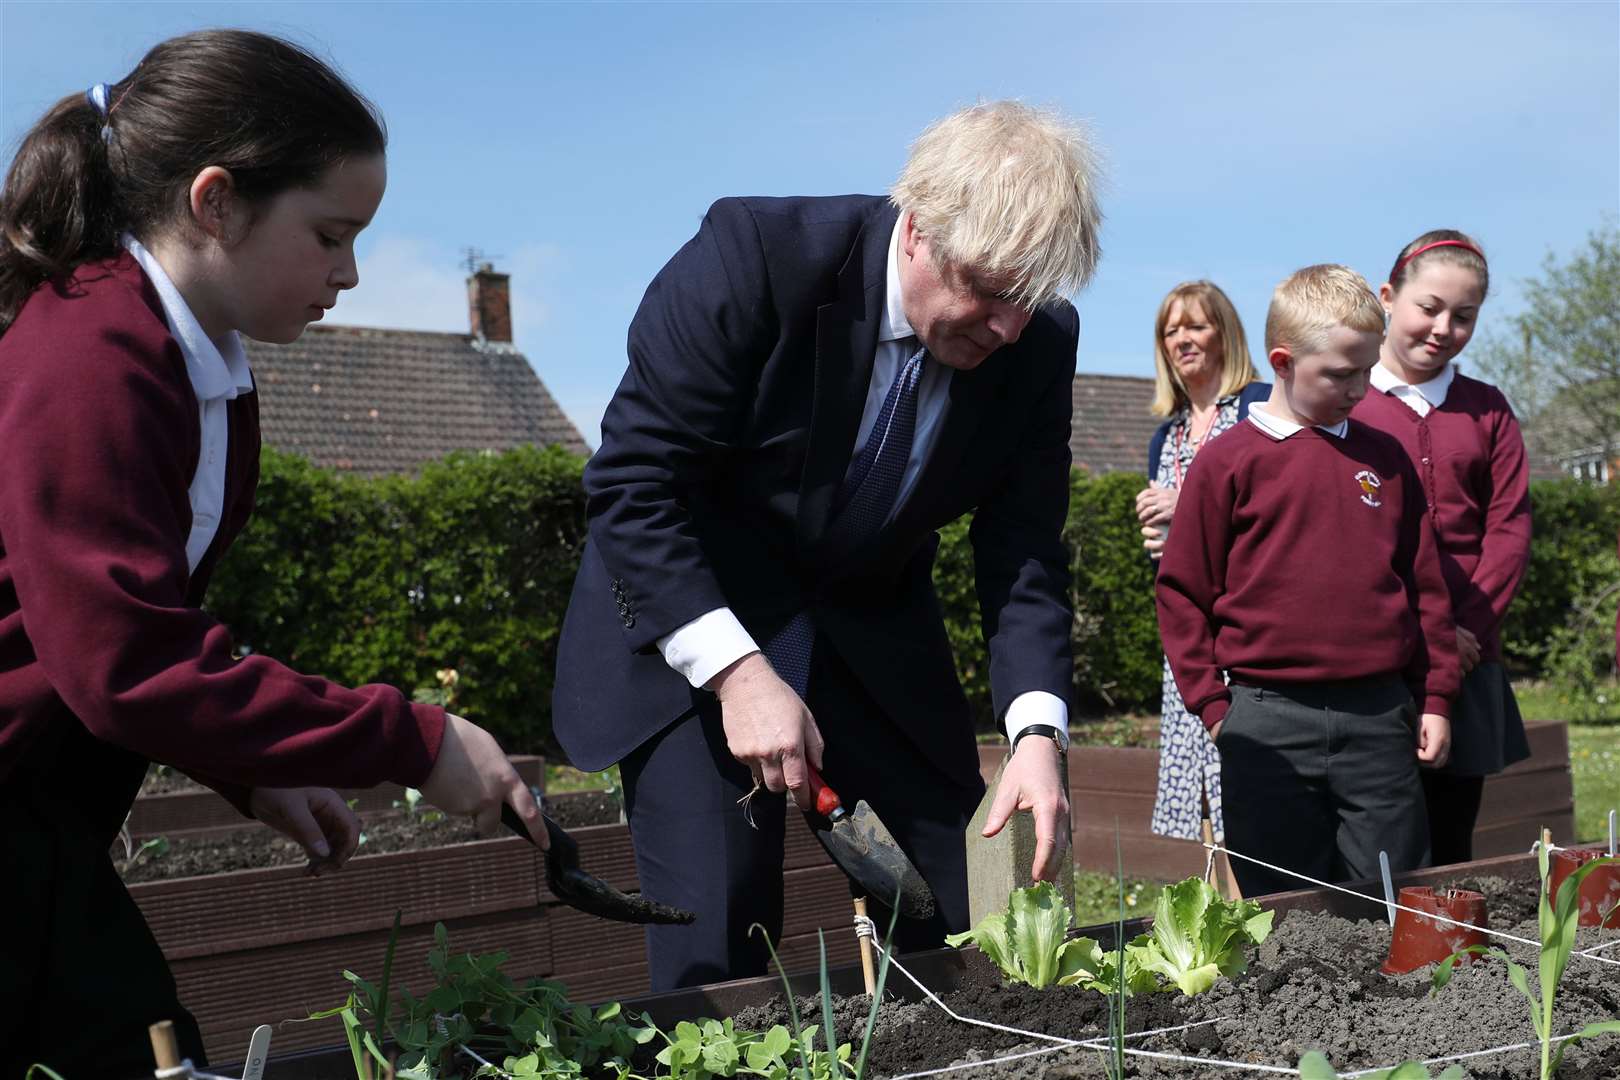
{"type": "Point", "coordinates": [466, 566]}
{"type": "Point", "coordinates": [469, 565]}
{"type": "Point", "coordinates": [1565, 611]}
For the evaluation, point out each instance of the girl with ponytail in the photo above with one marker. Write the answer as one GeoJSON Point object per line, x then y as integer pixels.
{"type": "Point", "coordinates": [215, 190]}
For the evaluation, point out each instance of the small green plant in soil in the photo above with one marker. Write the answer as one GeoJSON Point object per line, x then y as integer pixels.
{"type": "Point", "coordinates": [528, 1030]}
{"type": "Point", "coordinates": [1313, 1066]}
{"type": "Point", "coordinates": [1559, 919]}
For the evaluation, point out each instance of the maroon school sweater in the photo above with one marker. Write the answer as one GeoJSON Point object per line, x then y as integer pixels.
{"type": "Point", "coordinates": [1304, 560]}
{"type": "Point", "coordinates": [99, 613]}
{"type": "Point", "coordinates": [1476, 482]}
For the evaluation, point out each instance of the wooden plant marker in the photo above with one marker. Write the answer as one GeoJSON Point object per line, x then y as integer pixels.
{"type": "Point", "coordinates": [866, 949]}
{"type": "Point", "coordinates": [165, 1050]}
{"type": "Point", "coordinates": [258, 1053]}
{"type": "Point", "coordinates": [1002, 863]}
{"type": "Point", "coordinates": [1220, 868]}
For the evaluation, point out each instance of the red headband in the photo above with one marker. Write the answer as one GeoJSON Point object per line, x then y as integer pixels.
{"type": "Point", "coordinates": [1465, 245]}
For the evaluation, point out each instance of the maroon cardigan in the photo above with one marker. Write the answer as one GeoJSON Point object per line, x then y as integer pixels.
{"type": "Point", "coordinates": [1300, 561]}
{"type": "Point", "coordinates": [1470, 456]}
{"type": "Point", "coordinates": [100, 622]}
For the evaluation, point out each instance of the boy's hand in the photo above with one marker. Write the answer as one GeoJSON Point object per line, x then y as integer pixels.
{"type": "Point", "coordinates": [1434, 740]}
{"type": "Point", "coordinates": [316, 818]}
{"type": "Point", "coordinates": [1467, 650]}
{"type": "Point", "coordinates": [1215, 732]}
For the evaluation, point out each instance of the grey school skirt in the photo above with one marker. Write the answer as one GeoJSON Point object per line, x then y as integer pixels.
{"type": "Point", "coordinates": [1487, 732]}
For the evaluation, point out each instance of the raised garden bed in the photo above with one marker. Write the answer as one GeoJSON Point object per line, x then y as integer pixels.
{"type": "Point", "coordinates": [1314, 984]}
{"type": "Point", "coordinates": [1119, 782]}
{"type": "Point", "coordinates": [251, 946]}
{"type": "Point", "coordinates": [172, 805]}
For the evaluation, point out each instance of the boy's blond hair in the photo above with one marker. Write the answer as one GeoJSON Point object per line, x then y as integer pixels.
{"type": "Point", "coordinates": [1316, 300]}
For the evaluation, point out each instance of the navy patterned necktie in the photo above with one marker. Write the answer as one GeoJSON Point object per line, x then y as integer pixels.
{"type": "Point", "coordinates": [865, 500]}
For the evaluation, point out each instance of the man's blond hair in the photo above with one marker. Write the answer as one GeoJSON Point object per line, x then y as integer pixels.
{"type": "Point", "coordinates": [1007, 191]}
{"type": "Point", "coordinates": [1316, 300]}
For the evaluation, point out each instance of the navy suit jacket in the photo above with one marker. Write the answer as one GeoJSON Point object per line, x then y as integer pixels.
{"type": "Point", "coordinates": [722, 451]}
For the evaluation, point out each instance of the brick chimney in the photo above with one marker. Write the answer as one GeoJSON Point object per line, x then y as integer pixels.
{"type": "Point", "coordinates": [489, 304]}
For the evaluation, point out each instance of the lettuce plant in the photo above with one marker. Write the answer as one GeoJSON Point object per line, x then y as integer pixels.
{"type": "Point", "coordinates": [1027, 942]}
{"type": "Point", "coordinates": [1198, 937]}
{"type": "Point", "coordinates": [1559, 919]}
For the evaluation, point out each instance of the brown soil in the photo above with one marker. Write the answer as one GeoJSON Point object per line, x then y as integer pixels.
{"type": "Point", "coordinates": [1314, 984]}
{"type": "Point", "coordinates": [255, 846]}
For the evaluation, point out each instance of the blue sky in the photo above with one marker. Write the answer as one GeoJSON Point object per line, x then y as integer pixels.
{"type": "Point", "coordinates": [582, 143]}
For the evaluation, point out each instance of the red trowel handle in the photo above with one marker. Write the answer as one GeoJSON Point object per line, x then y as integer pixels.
{"type": "Point", "coordinates": [827, 802]}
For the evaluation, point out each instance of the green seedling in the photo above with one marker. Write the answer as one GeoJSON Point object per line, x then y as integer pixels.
{"type": "Point", "coordinates": [532, 1030]}
{"type": "Point", "coordinates": [1559, 919]}
{"type": "Point", "coordinates": [43, 1070]}
{"type": "Point", "coordinates": [1313, 1066]}
{"type": "Point", "coordinates": [412, 805]}
{"type": "Point", "coordinates": [135, 854]}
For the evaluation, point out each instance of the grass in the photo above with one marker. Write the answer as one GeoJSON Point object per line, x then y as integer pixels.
{"type": "Point", "coordinates": [562, 778]}
{"type": "Point", "coordinates": [1594, 754]}
{"type": "Point", "coordinates": [1096, 898]}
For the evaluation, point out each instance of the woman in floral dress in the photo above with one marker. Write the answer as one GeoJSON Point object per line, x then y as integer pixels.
{"type": "Point", "coordinates": [1204, 382]}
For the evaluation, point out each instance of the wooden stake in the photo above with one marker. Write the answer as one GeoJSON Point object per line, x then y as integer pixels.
{"type": "Point", "coordinates": [165, 1050]}
{"type": "Point", "coordinates": [866, 950]}
{"type": "Point", "coordinates": [1221, 867]}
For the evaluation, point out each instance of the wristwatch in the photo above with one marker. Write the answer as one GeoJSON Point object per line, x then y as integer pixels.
{"type": "Point", "coordinates": [1048, 731]}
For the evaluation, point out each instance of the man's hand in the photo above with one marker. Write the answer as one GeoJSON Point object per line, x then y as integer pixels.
{"type": "Point", "coordinates": [1434, 740]}
{"type": "Point", "coordinates": [316, 818]}
{"type": "Point", "coordinates": [768, 728]}
{"type": "Point", "coordinates": [472, 776]}
{"type": "Point", "coordinates": [1033, 781]}
{"type": "Point", "coordinates": [1467, 650]}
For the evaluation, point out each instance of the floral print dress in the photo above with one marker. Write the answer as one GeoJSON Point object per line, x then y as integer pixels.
{"type": "Point", "coordinates": [1189, 765]}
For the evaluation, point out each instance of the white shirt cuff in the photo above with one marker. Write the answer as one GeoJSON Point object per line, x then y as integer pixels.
{"type": "Point", "coordinates": [1037, 707]}
{"type": "Point", "coordinates": [706, 646]}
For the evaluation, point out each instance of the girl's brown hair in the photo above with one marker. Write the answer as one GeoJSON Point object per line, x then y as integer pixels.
{"type": "Point", "coordinates": [271, 113]}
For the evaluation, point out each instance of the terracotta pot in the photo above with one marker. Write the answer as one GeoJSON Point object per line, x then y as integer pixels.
{"type": "Point", "coordinates": [1418, 940]}
{"type": "Point", "coordinates": [1600, 891]}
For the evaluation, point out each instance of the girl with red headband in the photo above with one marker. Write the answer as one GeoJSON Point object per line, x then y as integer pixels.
{"type": "Point", "coordinates": [1466, 445]}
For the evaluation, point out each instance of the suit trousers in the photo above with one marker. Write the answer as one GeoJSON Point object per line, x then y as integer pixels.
{"type": "Point", "coordinates": [696, 849]}
{"type": "Point", "coordinates": [1318, 779]}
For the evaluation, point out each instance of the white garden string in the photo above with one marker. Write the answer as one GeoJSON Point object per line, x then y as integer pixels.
{"type": "Point", "coordinates": [186, 1071]}
{"type": "Point", "coordinates": [866, 928]}
{"type": "Point", "coordinates": [1589, 954]}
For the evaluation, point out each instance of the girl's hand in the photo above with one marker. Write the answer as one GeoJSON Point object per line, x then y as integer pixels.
{"type": "Point", "coordinates": [472, 776]}
{"type": "Point", "coordinates": [1467, 650]}
{"type": "Point", "coordinates": [1434, 740]}
{"type": "Point", "coordinates": [316, 818]}
{"type": "Point", "coordinates": [1156, 505]}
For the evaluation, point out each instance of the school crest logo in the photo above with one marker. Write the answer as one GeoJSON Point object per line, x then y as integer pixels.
{"type": "Point", "coordinates": [1370, 484]}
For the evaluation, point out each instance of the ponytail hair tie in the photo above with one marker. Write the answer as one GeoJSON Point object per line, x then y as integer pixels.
{"type": "Point", "coordinates": [97, 97]}
{"type": "Point", "coordinates": [1436, 244]}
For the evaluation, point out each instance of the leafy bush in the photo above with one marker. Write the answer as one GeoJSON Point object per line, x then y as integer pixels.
{"type": "Point", "coordinates": [467, 566]}
{"type": "Point", "coordinates": [1116, 631]}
